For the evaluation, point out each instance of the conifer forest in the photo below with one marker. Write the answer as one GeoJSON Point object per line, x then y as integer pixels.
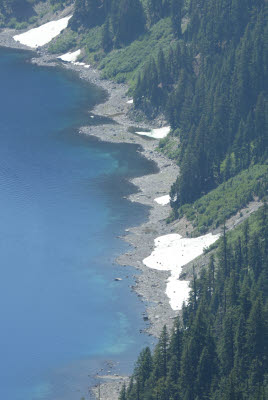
{"type": "Point", "coordinates": [202, 66]}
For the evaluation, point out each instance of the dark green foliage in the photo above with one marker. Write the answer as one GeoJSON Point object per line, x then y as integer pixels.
{"type": "Point", "coordinates": [123, 394]}
{"type": "Point", "coordinates": [18, 10]}
{"type": "Point", "coordinates": [176, 15]}
{"type": "Point", "coordinates": [227, 199]}
{"type": "Point", "coordinates": [88, 13]}
{"type": "Point", "coordinates": [159, 73]}
{"type": "Point", "coordinates": [220, 350]}
{"type": "Point", "coordinates": [226, 130]}
{"type": "Point", "coordinates": [212, 86]}
{"type": "Point", "coordinates": [122, 64]}
{"type": "Point", "coordinates": [64, 42]}
{"type": "Point", "coordinates": [19, 14]}
{"type": "Point", "coordinates": [157, 9]}
{"type": "Point", "coordinates": [57, 4]}
{"type": "Point", "coordinates": [126, 16]}
{"type": "Point", "coordinates": [128, 21]}
{"type": "Point", "coordinates": [106, 37]}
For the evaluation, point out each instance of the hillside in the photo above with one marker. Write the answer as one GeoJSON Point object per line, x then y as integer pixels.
{"type": "Point", "coordinates": [12, 11]}
{"type": "Point", "coordinates": [20, 14]}
{"type": "Point", "coordinates": [200, 66]}
{"type": "Point", "coordinates": [218, 350]}
{"type": "Point", "coordinates": [203, 64]}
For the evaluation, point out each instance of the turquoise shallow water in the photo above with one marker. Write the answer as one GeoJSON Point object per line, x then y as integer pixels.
{"type": "Point", "coordinates": [62, 207]}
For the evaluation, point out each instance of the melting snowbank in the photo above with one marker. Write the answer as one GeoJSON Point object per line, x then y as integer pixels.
{"type": "Point", "coordinates": [43, 34]}
{"type": "Point", "coordinates": [70, 57]}
{"type": "Point", "coordinates": [159, 133]}
{"type": "Point", "coordinates": [163, 200]}
{"type": "Point", "coordinates": [170, 254]}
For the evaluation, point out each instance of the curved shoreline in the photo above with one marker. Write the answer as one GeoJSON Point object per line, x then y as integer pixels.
{"type": "Point", "coordinates": [150, 284]}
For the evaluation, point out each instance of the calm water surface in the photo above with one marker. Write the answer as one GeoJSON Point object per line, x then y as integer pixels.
{"type": "Point", "coordinates": [61, 209]}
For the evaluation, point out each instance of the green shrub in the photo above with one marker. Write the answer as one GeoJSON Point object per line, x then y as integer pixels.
{"type": "Point", "coordinates": [63, 43]}
{"type": "Point", "coordinates": [123, 64]}
{"type": "Point", "coordinates": [211, 210]}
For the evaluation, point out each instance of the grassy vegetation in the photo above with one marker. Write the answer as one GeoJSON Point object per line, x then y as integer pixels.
{"type": "Point", "coordinates": [64, 42]}
{"type": "Point", "coordinates": [169, 147]}
{"type": "Point", "coordinates": [22, 14]}
{"type": "Point", "coordinates": [122, 64]}
{"type": "Point", "coordinates": [13, 23]}
{"type": "Point", "coordinates": [253, 222]}
{"type": "Point", "coordinates": [211, 210]}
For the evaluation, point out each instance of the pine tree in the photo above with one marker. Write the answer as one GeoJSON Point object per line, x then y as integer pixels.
{"type": "Point", "coordinates": [219, 352]}
{"type": "Point", "coordinates": [161, 67]}
{"type": "Point", "coordinates": [87, 13]}
{"type": "Point", "coordinates": [106, 38]}
{"type": "Point", "coordinates": [128, 21]}
{"type": "Point", "coordinates": [143, 367]}
{"type": "Point", "coordinates": [161, 355]}
{"type": "Point", "coordinates": [205, 370]}
{"type": "Point", "coordinates": [154, 11]}
{"type": "Point", "coordinates": [176, 16]}
{"type": "Point", "coordinates": [123, 393]}
{"type": "Point", "coordinates": [226, 344]}
{"type": "Point", "coordinates": [240, 349]}
{"type": "Point", "coordinates": [257, 331]}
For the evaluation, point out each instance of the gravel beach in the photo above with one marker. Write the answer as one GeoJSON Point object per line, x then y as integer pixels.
{"type": "Point", "coordinates": [150, 284]}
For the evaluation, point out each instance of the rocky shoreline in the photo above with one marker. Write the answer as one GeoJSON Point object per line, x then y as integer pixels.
{"type": "Point", "coordinates": [150, 284]}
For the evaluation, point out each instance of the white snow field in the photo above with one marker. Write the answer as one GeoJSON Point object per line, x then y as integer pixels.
{"type": "Point", "coordinates": [170, 254]}
{"type": "Point", "coordinates": [159, 133]}
{"type": "Point", "coordinates": [42, 35]}
{"type": "Point", "coordinates": [163, 200]}
{"type": "Point", "coordinates": [70, 57]}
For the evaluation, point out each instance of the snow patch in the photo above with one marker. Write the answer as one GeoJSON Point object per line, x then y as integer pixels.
{"type": "Point", "coordinates": [43, 34]}
{"type": "Point", "coordinates": [130, 101]}
{"type": "Point", "coordinates": [82, 64]}
{"type": "Point", "coordinates": [170, 254]}
{"type": "Point", "coordinates": [159, 133]}
{"type": "Point", "coordinates": [163, 200]}
{"type": "Point", "coordinates": [70, 57]}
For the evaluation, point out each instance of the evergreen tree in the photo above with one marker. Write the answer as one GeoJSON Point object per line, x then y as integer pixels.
{"type": "Point", "coordinates": [176, 16]}
{"type": "Point", "coordinates": [220, 351]}
{"type": "Point", "coordinates": [87, 13]}
{"type": "Point", "coordinates": [161, 356]}
{"type": "Point", "coordinates": [123, 393]}
{"type": "Point", "coordinates": [127, 20]}
{"type": "Point", "coordinates": [106, 38]}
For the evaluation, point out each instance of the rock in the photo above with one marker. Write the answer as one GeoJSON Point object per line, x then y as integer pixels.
{"type": "Point", "coordinates": [118, 279]}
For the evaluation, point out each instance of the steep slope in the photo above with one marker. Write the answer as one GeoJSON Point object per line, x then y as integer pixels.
{"type": "Point", "coordinates": [219, 348]}
{"type": "Point", "coordinates": [203, 64]}
{"type": "Point", "coordinates": [19, 10]}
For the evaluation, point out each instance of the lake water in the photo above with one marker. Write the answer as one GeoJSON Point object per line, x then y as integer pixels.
{"type": "Point", "coordinates": [62, 207]}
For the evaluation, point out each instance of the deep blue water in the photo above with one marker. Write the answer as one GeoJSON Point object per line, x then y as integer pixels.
{"type": "Point", "coordinates": [62, 207]}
